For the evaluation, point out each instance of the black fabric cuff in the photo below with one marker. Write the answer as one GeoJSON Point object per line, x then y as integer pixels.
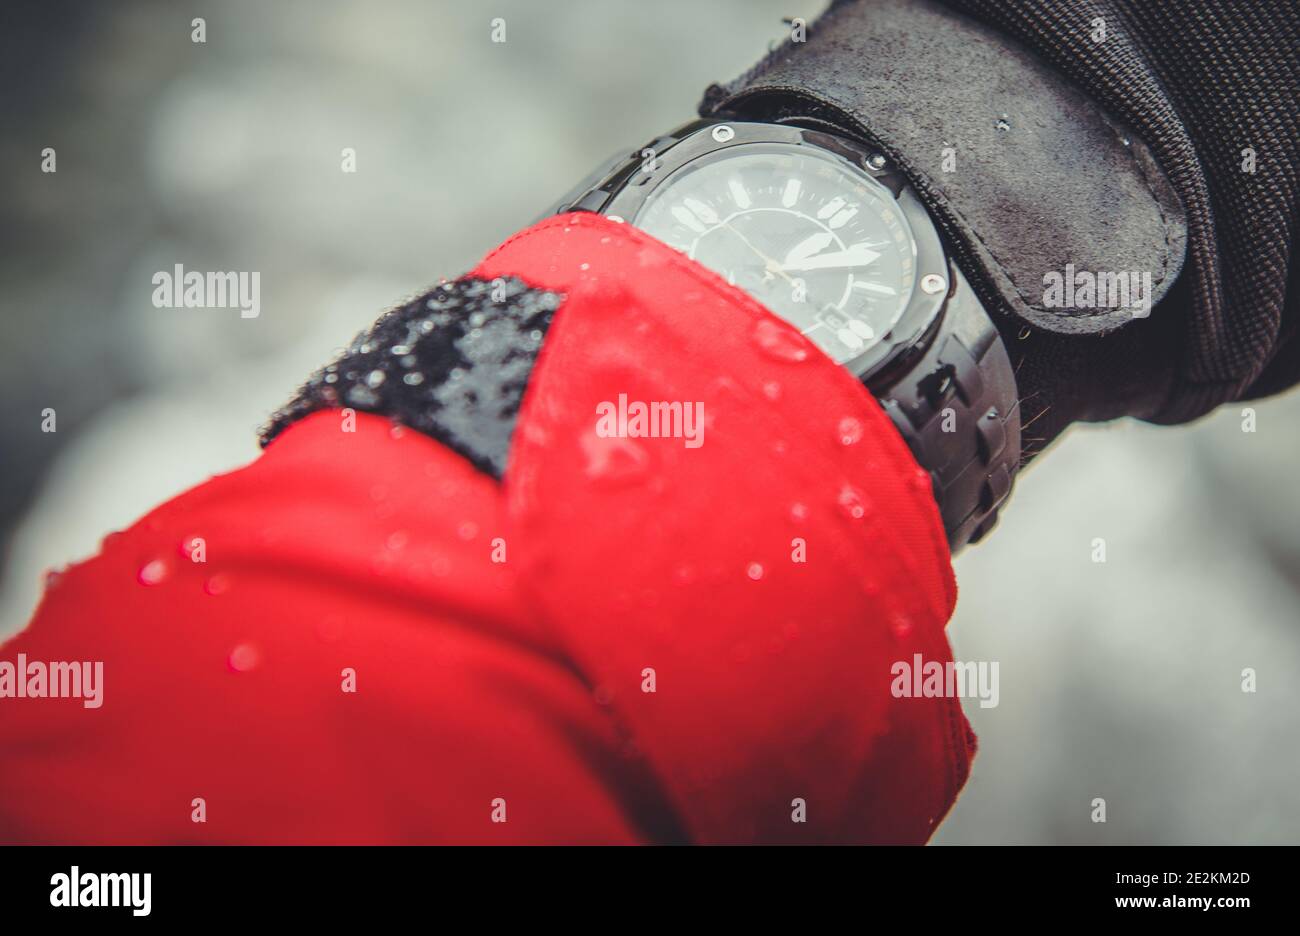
{"type": "Point", "coordinates": [1027, 177]}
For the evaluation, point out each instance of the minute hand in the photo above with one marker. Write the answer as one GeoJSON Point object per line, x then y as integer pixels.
{"type": "Point", "coordinates": [853, 257]}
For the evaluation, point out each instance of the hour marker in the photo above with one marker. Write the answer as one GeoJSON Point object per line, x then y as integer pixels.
{"type": "Point", "coordinates": [861, 329]}
{"type": "Point", "coordinates": [842, 218]}
{"type": "Point", "coordinates": [791, 193]}
{"type": "Point", "coordinates": [702, 210]}
{"type": "Point", "coordinates": [738, 193]}
{"type": "Point", "coordinates": [849, 338]}
{"type": "Point", "coordinates": [688, 219]}
{"type": "Point", "coordinates": [830, 208]}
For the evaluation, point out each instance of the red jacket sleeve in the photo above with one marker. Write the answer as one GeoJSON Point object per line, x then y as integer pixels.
{"type": "Point", "coordinates": [626, 640]}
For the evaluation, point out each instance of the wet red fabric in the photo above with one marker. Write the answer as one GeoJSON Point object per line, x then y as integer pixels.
{"type": "Point", "coordinates": [629, 640]}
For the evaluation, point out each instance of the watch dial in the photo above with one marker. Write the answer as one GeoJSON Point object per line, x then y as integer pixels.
{"type": "Point", "coordinates": [821, 244]}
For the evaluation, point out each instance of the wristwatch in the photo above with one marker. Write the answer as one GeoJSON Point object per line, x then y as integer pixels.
{"type": "Point", "coordinates": [830, 237]}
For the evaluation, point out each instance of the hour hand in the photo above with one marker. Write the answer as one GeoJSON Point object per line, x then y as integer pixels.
{"type": "Point", "coordinates": [856, 256]}
{"type": "Point", "coordinates": [807, 247]}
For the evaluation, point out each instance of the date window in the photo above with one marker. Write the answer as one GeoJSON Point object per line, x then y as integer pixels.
{"type": "Point", "coordinates": [832, 319]}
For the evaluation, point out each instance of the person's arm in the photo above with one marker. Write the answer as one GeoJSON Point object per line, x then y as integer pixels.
{"type": "Point", "coordinates": [608, 636]}
{"type": "Point", "coordinates": [410, 633]}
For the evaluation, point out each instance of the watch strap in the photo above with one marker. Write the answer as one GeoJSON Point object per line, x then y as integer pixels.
{"type": "Point", "coordinates": [958, 411]}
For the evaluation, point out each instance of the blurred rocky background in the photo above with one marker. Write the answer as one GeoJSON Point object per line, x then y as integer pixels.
{"type": "Point", "coordinates": [1119, 680]}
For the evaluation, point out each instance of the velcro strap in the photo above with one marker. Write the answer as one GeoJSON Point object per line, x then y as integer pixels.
{"type": "Point", "coordinates": [1034, 185]}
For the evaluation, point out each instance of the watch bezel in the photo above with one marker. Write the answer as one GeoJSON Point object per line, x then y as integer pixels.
{"type": "Point", "coordinates": [633, 185]}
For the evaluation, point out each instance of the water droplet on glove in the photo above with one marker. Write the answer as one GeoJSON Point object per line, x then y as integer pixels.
{"type": "Point", "coordinates": [853, 503]}
{"type": "Point", "coordinates": [152, 573]}
{"type": "Point", "coordinates": [780, 341]}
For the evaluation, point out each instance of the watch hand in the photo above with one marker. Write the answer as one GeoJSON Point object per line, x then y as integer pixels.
{"type": "Point", "coordinates": [808, 246]}
{"type": "Point", "coordinates": [853, 257]}
{"type": "Point", "coordinates": [769, 264]}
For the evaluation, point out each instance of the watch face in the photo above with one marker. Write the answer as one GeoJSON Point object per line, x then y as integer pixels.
{"type": "Point", "coordinates": [820, 243]}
